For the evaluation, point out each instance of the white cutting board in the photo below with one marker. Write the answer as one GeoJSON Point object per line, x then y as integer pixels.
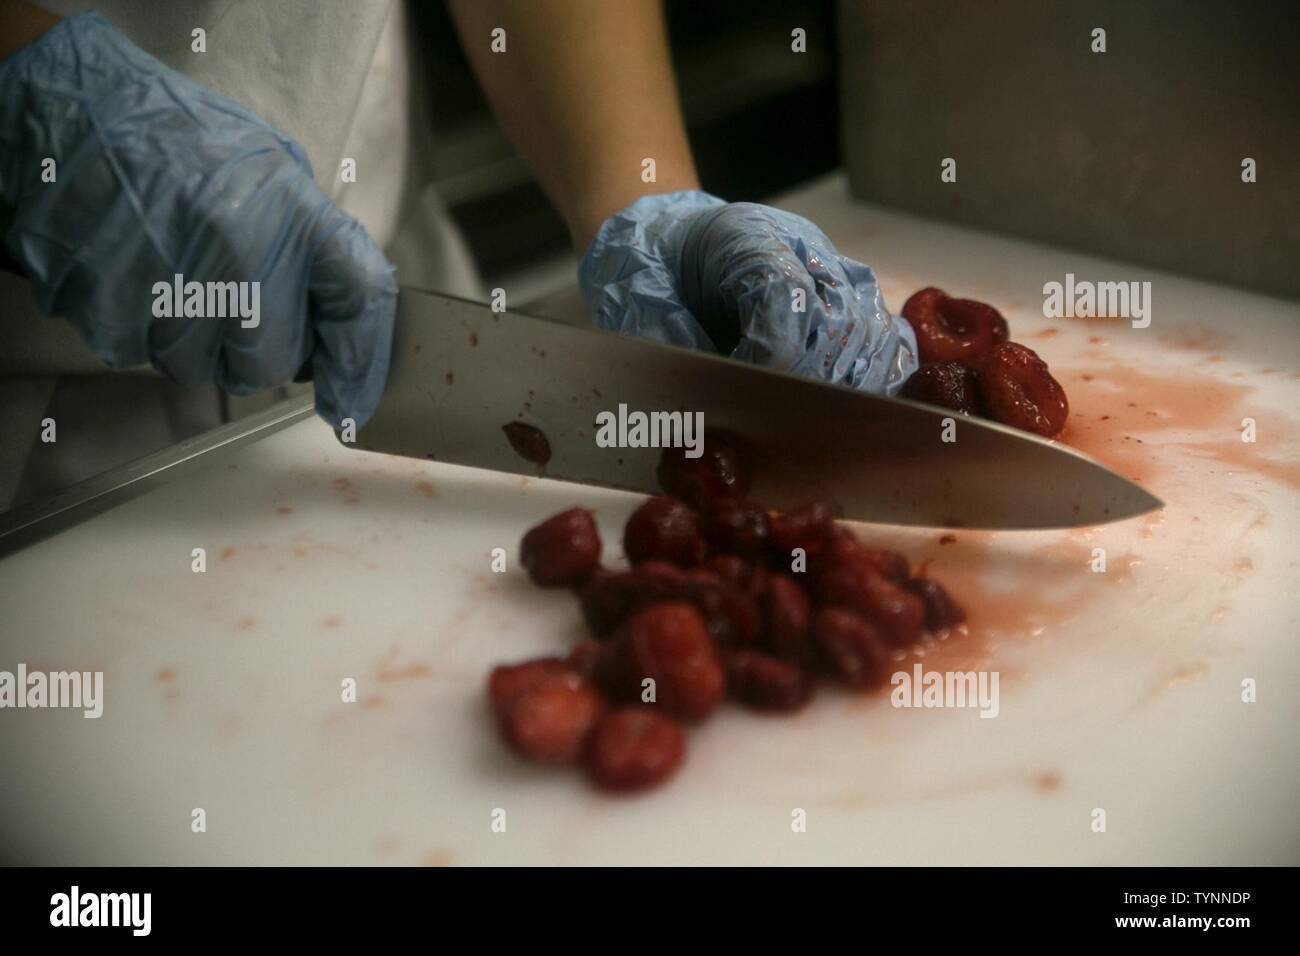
{"type": "Point", "coordinates": [1120, 690]}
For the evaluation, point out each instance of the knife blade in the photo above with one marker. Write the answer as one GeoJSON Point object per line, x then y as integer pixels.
{"type": "Point", "coordinates": [460, 372]}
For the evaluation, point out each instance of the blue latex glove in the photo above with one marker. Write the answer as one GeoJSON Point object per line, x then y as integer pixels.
{"type": "Point", "coordinates": [158, 176]}
{"type": "Point", "coordinates": [688, 269]}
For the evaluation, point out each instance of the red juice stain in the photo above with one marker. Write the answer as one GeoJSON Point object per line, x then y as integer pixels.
{"type": "Point", "coordinates": [348, 490]}
{"type": "Point", "coordinates": [1048, 782]}
{"type": "Point", "coordinates": [1117, 411]}
{"type": "Point", "coordinates": [1173, 679]}
{"type": "Point", "coordinates": [1196, 338]}
{"type": "Point", "coordinates": [1038, 592]}
{"type": "Point", "coordinates": [529, 442]}
{"type": "Point", "coordinates": [1239, 456]}
{"type": "Point", "coordinates": [388, 675]}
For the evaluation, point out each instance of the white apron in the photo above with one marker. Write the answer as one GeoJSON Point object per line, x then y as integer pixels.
{"type": "Point", "coordinates": [335, 75]}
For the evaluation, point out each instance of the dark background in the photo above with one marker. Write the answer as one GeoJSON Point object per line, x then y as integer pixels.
{"type": "Point", "coordinates": [758, 123]}
{"type": "Point", "coordinates": [1133, 154]}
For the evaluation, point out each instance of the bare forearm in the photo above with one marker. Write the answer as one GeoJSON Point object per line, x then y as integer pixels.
{"type": "Point", "coordinates": [20, 24]}
{"type": "Point", "coordinates": [585, 91]}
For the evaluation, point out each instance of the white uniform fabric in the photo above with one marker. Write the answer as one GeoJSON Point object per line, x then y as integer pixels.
{"type": "Point", "coordinates": [338, 77]}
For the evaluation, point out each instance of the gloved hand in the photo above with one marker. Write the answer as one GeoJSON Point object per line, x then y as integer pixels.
{"type": "Point", "coordinates": [688, 269]}
{"type": "Point", "coordinates": [157, 176]}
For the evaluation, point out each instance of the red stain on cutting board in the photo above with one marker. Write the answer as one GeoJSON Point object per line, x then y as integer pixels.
{"type": "Point", "coordinates": [388, 675]}
{"type": "Point", "coordinates": [1160, 428]}
{"type": "Point", "coordinates": [1037, 593]}
{"type": "Point", "coordinates": [167, 678]}
{"type": "Point", "coordinates": [1127, 419]}
{"type": "Point", "coordinates": [1048, 782]}
{"type": "Point", "coordinates": [388, 670]}
{"type": "Point", "coordinates": [349, 491]}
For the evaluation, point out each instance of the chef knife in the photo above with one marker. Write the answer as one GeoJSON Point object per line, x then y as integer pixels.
{"type": "Point", "coordinates": [461, 372]}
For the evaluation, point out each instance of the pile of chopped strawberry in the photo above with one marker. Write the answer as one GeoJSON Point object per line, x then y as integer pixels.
{"type": "Point", "coordinates": [724, 598]}
{"type": "Point", "coordinates": [969, 365]}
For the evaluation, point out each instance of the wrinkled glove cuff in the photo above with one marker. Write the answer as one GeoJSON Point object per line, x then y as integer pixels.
{"type": "Point", "coordinates": [651, 226]}
{"type": "Point", "coordinates": [56, 76]}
